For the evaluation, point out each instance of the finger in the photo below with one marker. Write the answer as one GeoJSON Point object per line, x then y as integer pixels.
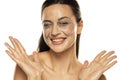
{"type": "Point", "coordinates": [36, 57]}
{"type": "Point", "coordinates": [21, 62]}
{"type": "Point", "coordinates": [9, 47]}
{"type": "Point", "coordinates": [13, 42]}
{"type": "Point", "coordinates": [104, 58]}
{"type": "Point", "coordinates": [20, 45]}
{"type": "Point", "coordinates": [100, 55]}
{"type": "Point", "coordinates": [12, 56]}
{"type": "Point", "coordinates": [15, 45]}
{"type": "Point", "coordinates": [107, 61]}
{"type": "Point", "coordinates": [109, 66]}
{"type": "Point", "coordinates": [108, 55]}
{"type": "Point", "coordinates": [22, 50]}
{"type": "Point", "coordinates": [17, 53]}
{"type": "Point", "coordinates": [11, 50]}
{"type": "Point", "coordinates": [86, 63]}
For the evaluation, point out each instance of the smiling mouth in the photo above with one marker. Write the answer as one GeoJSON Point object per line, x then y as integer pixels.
{"type": "Point", "coordinates": [58, 41]}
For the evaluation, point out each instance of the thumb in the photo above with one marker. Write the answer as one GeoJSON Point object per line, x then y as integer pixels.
{"type": "Point", "coordinates": [86, 63]}
{"type": "Point", "coordinates": [35, 56]}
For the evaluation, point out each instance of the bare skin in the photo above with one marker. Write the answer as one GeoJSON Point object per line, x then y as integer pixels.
{"type": "Point", "coordinates": [40, 66]}
{"type": "Point", "coordinates": [19, 74]}
{"type": "Point", "coordinates": [59, 63]}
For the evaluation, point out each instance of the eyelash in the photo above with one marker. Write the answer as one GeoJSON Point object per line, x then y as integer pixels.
{"type": "Point", "coordinates": [47, 25]}
{"type": "Point", "coordinates": [63, 23]}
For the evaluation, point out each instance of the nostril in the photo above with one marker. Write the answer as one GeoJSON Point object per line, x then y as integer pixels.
{"type": "Point", "coordinates": [55, 32]}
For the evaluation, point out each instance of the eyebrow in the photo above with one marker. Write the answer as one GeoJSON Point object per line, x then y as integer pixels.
{"type": "Point", "coordinates": [58, 19]}
{"type": "Point", "coordinates": [47, 21]}
{"type": "Point", "coordinates": [64, 18]}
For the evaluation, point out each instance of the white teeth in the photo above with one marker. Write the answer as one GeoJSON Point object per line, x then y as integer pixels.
{"type": "Point", "coordinates": [57, 40]}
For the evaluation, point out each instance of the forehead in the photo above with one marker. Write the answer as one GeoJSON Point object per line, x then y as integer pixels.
{"type": "Point", "coordinates": [57, 11]}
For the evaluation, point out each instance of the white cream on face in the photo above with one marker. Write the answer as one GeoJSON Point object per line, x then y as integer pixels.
{"type": "Point", "coordinates": [59, 27]}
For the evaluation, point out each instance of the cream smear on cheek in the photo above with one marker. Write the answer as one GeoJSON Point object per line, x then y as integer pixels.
{"type": "Point", "coordinates": [67, 34]}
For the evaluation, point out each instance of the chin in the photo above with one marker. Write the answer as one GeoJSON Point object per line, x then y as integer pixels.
{"type": "Point", "coordinates": [58, 51]}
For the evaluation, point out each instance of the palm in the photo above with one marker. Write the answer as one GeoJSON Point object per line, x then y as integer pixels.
{"type": "Point", "coordinates": [98, 66]}
{"type": "Point", "coordinates": [18, 54]}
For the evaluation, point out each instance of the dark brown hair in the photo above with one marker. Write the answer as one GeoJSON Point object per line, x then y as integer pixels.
{"type": "Point", "coordinates": [42, 46]}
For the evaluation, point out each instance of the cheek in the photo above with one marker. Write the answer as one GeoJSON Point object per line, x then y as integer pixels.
{"type": "Point", "coordinates": [71, 30]}
{"type": "Point", "coordinates": [46, 32]}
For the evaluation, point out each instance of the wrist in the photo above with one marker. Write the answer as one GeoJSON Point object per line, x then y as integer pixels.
{"type": "Point", "coordinates": [34, 77]}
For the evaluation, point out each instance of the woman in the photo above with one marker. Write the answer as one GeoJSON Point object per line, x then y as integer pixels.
{"type": "Point", "coordinates": [57, 54]}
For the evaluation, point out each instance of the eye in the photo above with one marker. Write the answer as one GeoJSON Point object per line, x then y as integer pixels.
{"type": "Point", "coordinates": [63, 23]}
{"type": "Point", "coordinates": [47, 25]}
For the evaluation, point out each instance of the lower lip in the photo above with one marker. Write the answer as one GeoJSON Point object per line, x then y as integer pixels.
{"type": "Point", "coordinates": [58, 42]}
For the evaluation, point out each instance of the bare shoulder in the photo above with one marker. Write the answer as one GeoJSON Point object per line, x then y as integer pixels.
{"type": "Point", "coordinates": [20, 74]}
{"type": "Point", "coordinates": [103, 77]}
{"type": "Point", "coordinates": [44, 55]}
{"type": "Point", "coordinates": [41, 55]}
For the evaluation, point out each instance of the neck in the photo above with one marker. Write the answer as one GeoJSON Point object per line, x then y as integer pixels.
{"type": "Point", "coordinates": [64, 61]}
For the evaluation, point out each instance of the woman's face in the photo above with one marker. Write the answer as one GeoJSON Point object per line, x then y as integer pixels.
{"type": "Point", "coordinates": [59, 27]}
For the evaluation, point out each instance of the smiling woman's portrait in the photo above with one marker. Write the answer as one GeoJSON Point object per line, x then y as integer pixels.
{"type": "Point", "coordinates": [59, 40]}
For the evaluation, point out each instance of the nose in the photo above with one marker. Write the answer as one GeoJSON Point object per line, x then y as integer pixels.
{"type": "Point", "coordinates": [55, 31]}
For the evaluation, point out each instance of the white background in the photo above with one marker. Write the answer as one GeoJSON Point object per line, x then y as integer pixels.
{"type": "Point", "coordinates": [21, 19]}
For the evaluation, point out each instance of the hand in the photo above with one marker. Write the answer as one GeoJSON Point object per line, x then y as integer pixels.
{"type": "Point", "coordinates": [98, 66]}
{"type": "Point", "coordinates": [18, 54]}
